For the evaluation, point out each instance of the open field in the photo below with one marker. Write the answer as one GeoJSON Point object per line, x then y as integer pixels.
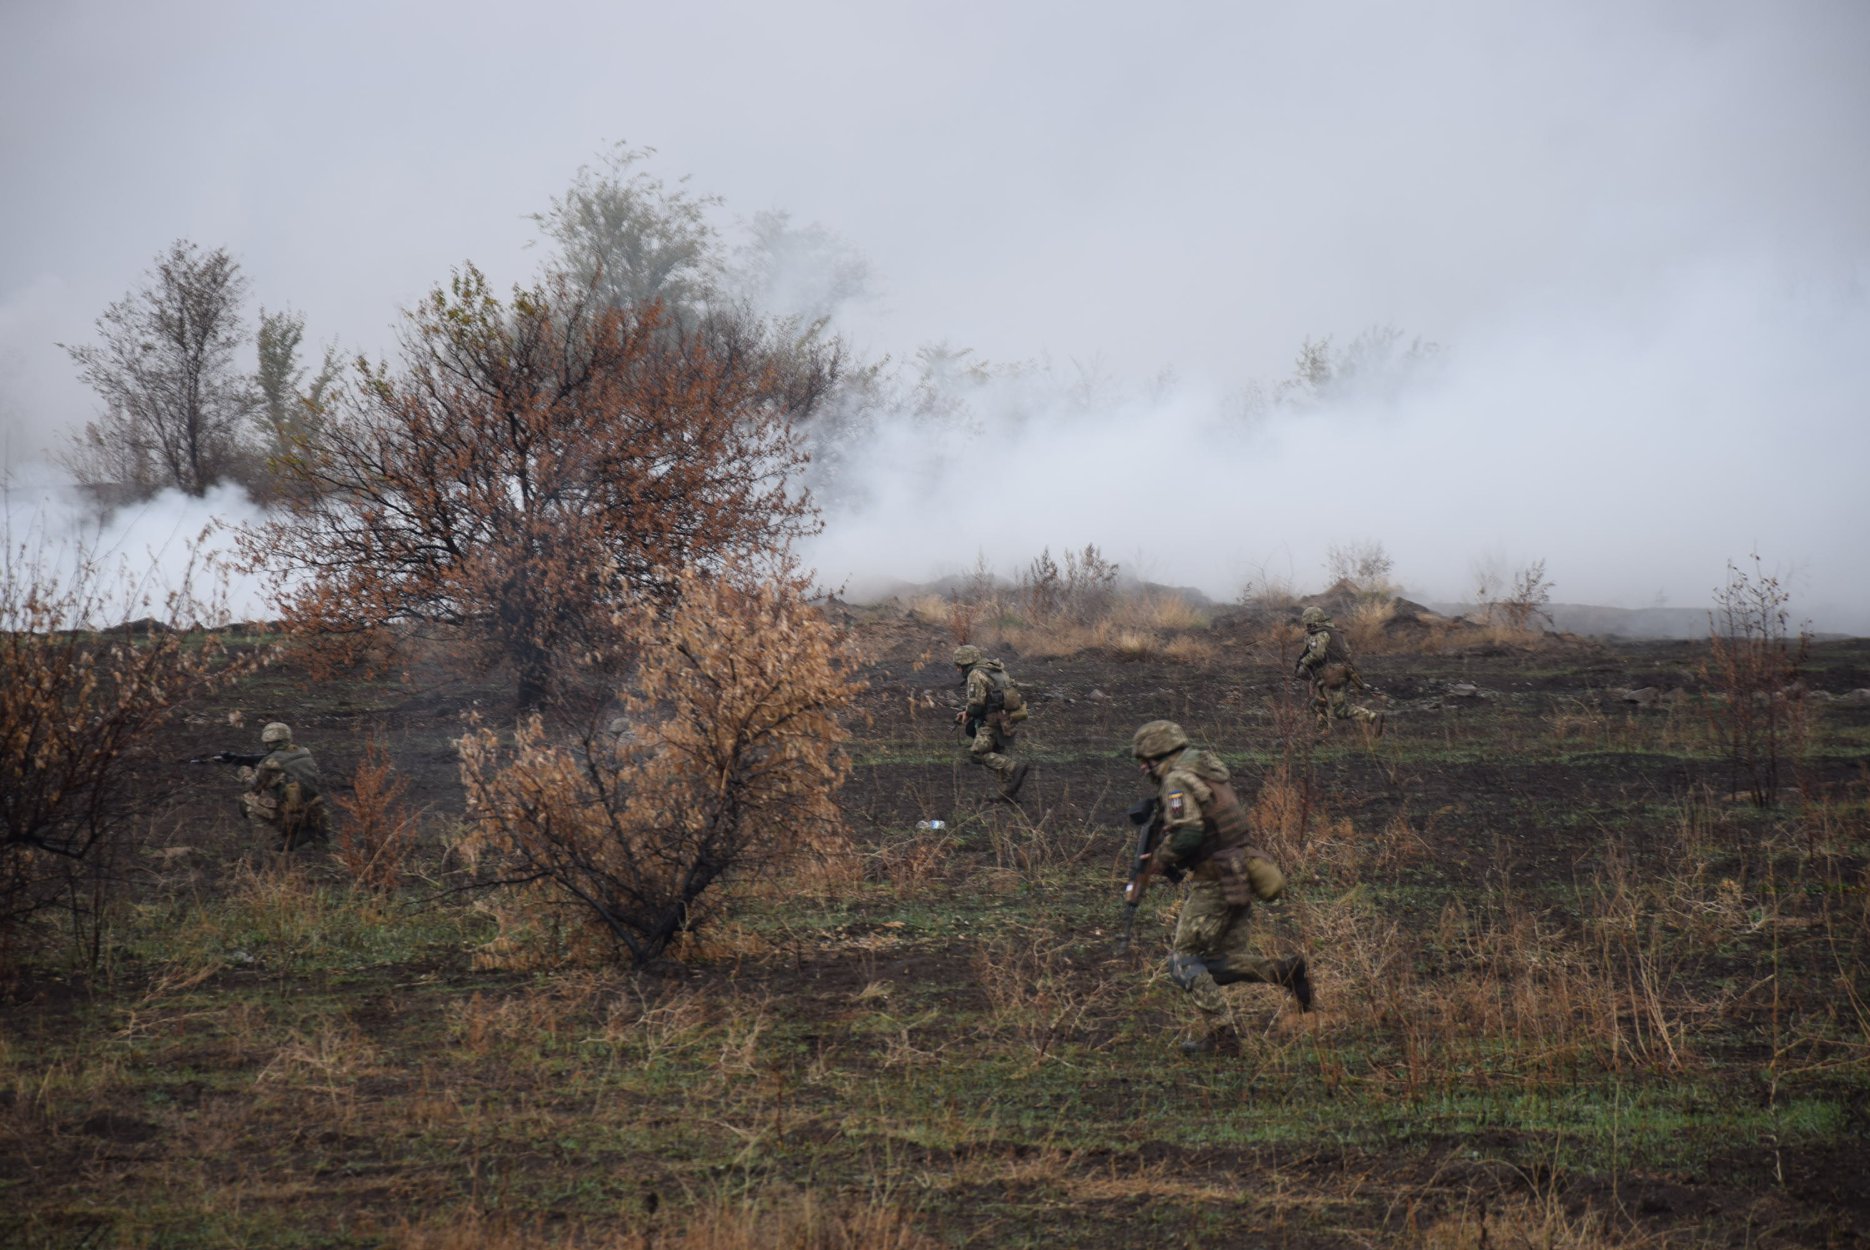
{"type": "Point", "coordinates": [1573, 992]}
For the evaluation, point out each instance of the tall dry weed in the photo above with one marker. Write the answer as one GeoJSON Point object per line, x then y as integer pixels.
{"type": "Point", "coordinates": [376, 830]}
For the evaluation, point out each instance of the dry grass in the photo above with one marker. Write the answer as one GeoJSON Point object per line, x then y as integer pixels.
{"type": "Point", "coordinates": [1135, 624]}
{"type": "Point", "coordinates": [785, 1220]}
{"type": "Point", "coordinates": [1540, 1220]}
{"type": "Point", "coordinates": [1366, 626]}
{"type": "Point", "coordinates": [1040, 999]}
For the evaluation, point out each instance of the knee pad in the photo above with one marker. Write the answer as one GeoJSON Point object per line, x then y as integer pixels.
{"type": "Point", "coordinates": [1185, 970]}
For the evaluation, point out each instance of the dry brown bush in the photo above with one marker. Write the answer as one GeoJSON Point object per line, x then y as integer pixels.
{"type": "Point", "coordinates": [731, 775]}
{"type": "Point", "coordinates": [376, 830]}
{"type": "Point", "coordinates": [1040, 999]}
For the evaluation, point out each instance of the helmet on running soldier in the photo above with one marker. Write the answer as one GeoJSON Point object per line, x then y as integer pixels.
{"type": "Point", "coordinates": [1156, 739]}
{"type": "Point", "coordinates": [967, 655]}
{"type": "Point", "coordinates": [276, 734]}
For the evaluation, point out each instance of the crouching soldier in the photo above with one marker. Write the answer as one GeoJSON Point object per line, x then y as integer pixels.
{"type": "Point", "coordinates": [1325, 660]}
{"type": "Point", "coordinates": [283, 795]}
{"type": "Point", "coordinates": [1204, 835]}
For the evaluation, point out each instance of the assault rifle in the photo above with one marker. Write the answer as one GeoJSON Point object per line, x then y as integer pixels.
{"type": "Point", "coordinates": [229, 757]}
{"type": "Point", "coordinates": [1146, 816]}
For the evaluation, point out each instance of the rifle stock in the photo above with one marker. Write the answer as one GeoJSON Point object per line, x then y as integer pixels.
{"type": "Point", "coordinates": [1145, 816]}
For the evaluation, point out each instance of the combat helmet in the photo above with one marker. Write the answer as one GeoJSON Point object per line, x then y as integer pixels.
{"type": "Point", "coordinates": [967, 654]}
{"type": "Point", "coordinates": [1313, 617]}
{"type": "Point", "coordinates": [276, 734]}
{"type": "Point", "coordinates": [1157, 739]}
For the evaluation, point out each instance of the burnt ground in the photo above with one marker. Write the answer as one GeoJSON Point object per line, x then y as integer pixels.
{"type": "Point", "coordinates": [950, 1034]}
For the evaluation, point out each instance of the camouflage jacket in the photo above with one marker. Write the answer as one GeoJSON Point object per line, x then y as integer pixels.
{"type": "Point", "coordinates": [1323, 645]}
{"type": "Point", "coordinates": [982, 680]}
{"type": "Point", "coordinates": [1200, 811]}
{"type": "Point", "coordinates": [286, 781]}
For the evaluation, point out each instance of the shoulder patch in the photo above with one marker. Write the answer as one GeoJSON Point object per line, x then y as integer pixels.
{"type": "Point", "coordinates": [1177, 803]}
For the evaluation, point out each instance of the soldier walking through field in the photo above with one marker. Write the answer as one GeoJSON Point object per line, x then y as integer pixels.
{"type": "Point", "coordinates": [1326, 661]}
{"type": "Point", "coordinates": [1203, 836]}
{"type": "Point", "coordinates": [283, 795]}
{"type": "Point", "coordinates": [992, 706]}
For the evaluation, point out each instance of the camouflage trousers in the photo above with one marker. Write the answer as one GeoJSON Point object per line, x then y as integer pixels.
{"type": "Point", "coordinates": [1333, 702]}
{"type": "Point", "coordinates": [1211, 932]}
{"type": "Point", "coordinates": [287, 831]}
{"type": "Point", "coordinates": [991, 747]}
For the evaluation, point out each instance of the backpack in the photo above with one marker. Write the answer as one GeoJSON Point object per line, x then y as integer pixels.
{"type": "Point", "coordinates": [300, 786]}
{"type": "Point", "coordinates": [1006, 697]}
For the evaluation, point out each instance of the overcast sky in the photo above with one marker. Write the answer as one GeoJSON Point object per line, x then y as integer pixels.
{"type": "Point", "coordinates": [1641, 231]}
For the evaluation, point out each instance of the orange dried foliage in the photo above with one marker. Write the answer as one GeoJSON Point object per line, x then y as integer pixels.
{"type": "Point", "coordinates": [531, 469]}
{"type": "Point", "coordinates": [376, 830]}
{"type": "Point", "coordinates": [732, 773]}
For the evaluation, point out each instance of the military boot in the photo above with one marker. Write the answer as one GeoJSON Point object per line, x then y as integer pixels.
{"type": "Point", "coordinates": [1222, 1040]}
{"type": "Point", "coordinates": [1009, 786]}
{"type": "Point", "coordinates": [1291, 974]}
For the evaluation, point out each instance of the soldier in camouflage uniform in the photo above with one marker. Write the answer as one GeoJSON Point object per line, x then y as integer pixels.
{"type": "Point", "coordinates": [283, 794]}
{"type": "Point", "coordinates": [992, 708]}
{"type": "Point", "coordinates": [1204, 836]}
{"type": "Point", "coordinates": [1326, 661]}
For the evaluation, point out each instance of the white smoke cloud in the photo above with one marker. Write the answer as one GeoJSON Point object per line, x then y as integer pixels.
{"type": "Point", "coordinates": [171, 557]}
{"type": "Point", "coordinates": [1635, 444]}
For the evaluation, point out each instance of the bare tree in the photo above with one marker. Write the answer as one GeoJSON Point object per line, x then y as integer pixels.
{"type": "Point", "coordinates": [531, 469]}
{"type": "Point", "coordinates": [1754, 660]}
{"type": "Point", "coordinates": [174, 400]}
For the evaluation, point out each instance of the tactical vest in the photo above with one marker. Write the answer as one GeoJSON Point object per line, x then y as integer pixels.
{"type": "Point", "coordinates": [1244, 871]}
{"type": "Point", "coordinates": [1004, 695]}
{"type": "Point", "coordinates": [298, 788]}
{"type": "Point", "coordinates": [1336, 650]}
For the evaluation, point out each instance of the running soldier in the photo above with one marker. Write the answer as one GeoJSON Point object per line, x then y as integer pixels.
{"type": "Point", "coordinates": [1325, 660]}
{"type": "Point", "coordinates": [1204, 837]}
{"type": "Point", "coordinates": [992, 708]}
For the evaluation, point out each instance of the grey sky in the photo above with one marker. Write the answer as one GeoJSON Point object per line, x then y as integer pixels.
{"type": "Point", "coordinates": [1642, 228]}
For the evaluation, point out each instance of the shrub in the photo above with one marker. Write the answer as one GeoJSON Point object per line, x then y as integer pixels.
{"type": "Point", "coordinates": [732, 771]}
{"type": "Point", "coordinates": [376, 831]}
{"type": "Point", "coordinates": [1753, 663]}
